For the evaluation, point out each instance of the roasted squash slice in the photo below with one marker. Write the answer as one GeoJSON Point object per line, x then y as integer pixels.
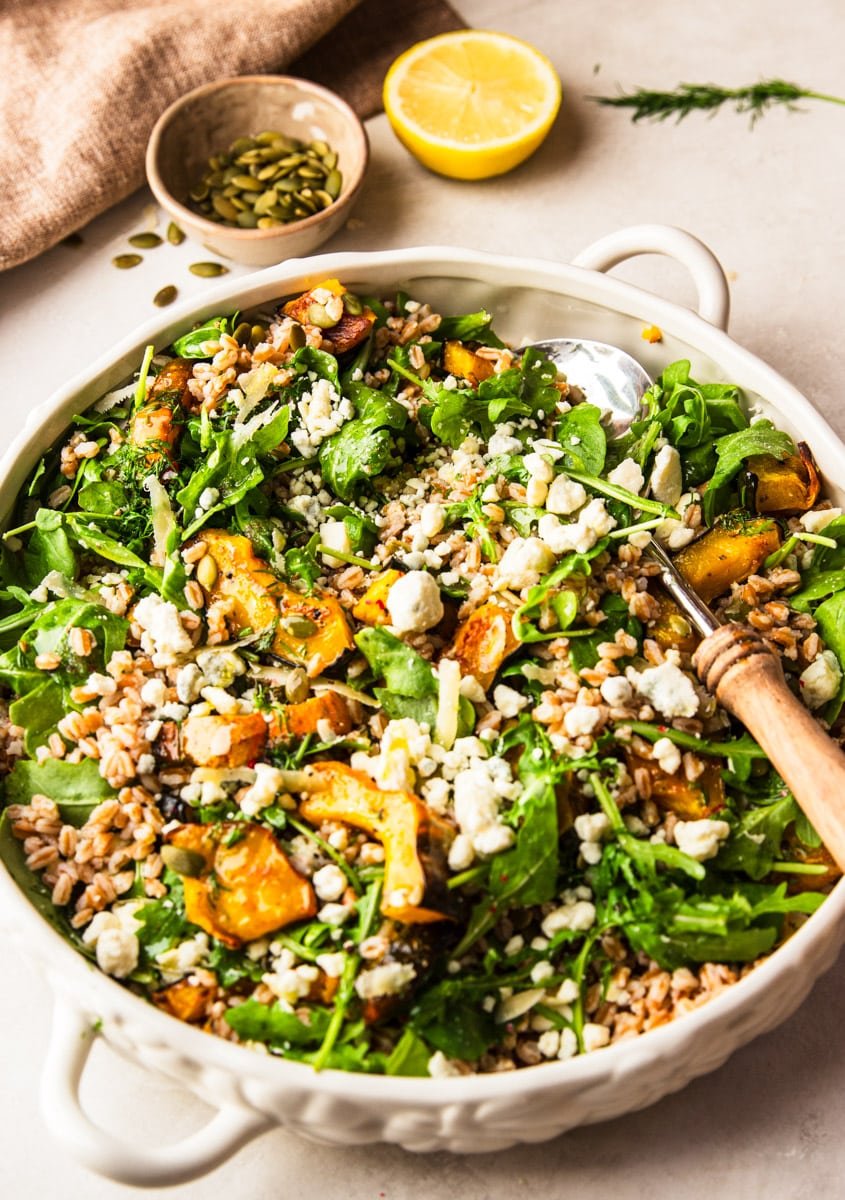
{"type": "Point", "coordinates": [244, 887]}
{"type": "Point", "coordinates": [785, 488]}
{"type": "Point", "coordinates": [483, 642]}
{"type": "Point", "coordinates": [675, 793]}
{"type": "Point", "coordinates": [235, 740]}
{"type": "Point", "coordinates": [733, 549]}
{"type": "Point", "coordinates": [399, 820]}
{"type": "Point", "coordinates": [260, 601]}
{"type": "Point", "coordinates": [155, 424]}
{"type": "Point", "coordinates": [347, 332]}
{"type": "Point", "coordinates": [186, 1001]}
{"type": "Point", "coordinates": [371, 609]}
{"type": "Point", "coordinates": [465, 363]}
{"type": "Point", "coordinates": [297, 720]}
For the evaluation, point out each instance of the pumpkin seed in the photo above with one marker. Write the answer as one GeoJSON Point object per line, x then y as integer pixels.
{"type": "Point", "coordinates": [145, 241]}
{"type": "Point", "coordinates": [247, 219]}
{"type": "Point", "coordinates": [268, 222]}
{"type": "Point", "coordinates": [247, 183]}
{"type": "Point", "coordinates": [318, 316]}
{"type": "Point", "coordinates": [310, 173]}
{"type": "Point", "coordinates": [124, 262]}
{"type": "Point", "coordinates": [324, 198]}
{"type": "Point", "coordinates": [296, 686]}
{"type": "Point", "coordinates": [296, 338]}
{"type": "Point", "coordinates": [320, 148]}
{"type": "Point", "coordinates": [224, 208]}
{"type": "Point", "coordinates": [175, 235]}
{"type": "Point", "coordinates": [334, 182]}
{"type": "Point", "coordinates": [242, 332]}
{"type": "Point", "coordinates": [301, 627]}
{"type": "Point", "coordinates": [207, 572]}
{"type": "Point", "coordinates": [208, 270]}
{"type": "Point", "coordinates": [352, 304]}
{"type": "Point", "coordinates": [257, 334]}
{"type": "Point", "coordinates": [165, 296]}
{"type": "Point", "coordinates": [184, 862]}
{"type": "Point", "coordinates": [330, 160]}
{"type": "Point", "coordinates": [241, 145]}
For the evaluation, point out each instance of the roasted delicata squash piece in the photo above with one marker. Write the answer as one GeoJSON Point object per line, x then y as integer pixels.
{"type": "Point", "coordinates": [785, 488]}
{"type": "Point", "coordinates": [733, 549]}
{"type": "Point", "coordinates": [345, 324]}
{"type": "Point", "coordinates": [239, 884]}
{"type": "Point", "coordinates": [401, 823]}
{"type": "Point", "coordinates": [155, 424]}
{"type": "Point", "coordinates": [297, 720]}
{"type": "Point", "coordinates": [371, 609]}
{"type": "Point", "coordinates": [670, 629]}
{"type": "Point", "coordinates": [186, 1000]}
{"type": "Point", "coordinates": [484, 641]}
{"type": "Point", "coordinates": [234, 740]}
{"type": "Point", "coordinates": [689, 800]}
{"type": "Point", "coordinates": [311, 631]}
{"type": "Point", "coordinates": [464, 362]}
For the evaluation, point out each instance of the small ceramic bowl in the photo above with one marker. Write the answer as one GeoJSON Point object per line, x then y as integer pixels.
{"type": "Point", "coordinates": [208, 119]}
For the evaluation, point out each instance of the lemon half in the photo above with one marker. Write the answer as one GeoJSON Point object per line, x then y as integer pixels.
{"type": "Point", "coordinates": [472, 103]}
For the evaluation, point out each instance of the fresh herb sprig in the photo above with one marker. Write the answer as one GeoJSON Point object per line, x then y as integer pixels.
{"type": "Point", "coordinates": [687, 98]}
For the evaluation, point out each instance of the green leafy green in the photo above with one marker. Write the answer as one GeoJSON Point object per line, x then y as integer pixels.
{"type": "Point", "coordinates": [732, 451]}
{"type": "Point", "coordinates": [76, 788]}
{"type": "Point", "coordinates": [450, 1019]}
{"type": "Point", "coordinates": [582, 439]}
{"type": "Point", "coordinates": [191, 345]}
{"type": "Point", "coordinates": [366, 446]}
{"type": "Point", "coordinates": [470, 327]}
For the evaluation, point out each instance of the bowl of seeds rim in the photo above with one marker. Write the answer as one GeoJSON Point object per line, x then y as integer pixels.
{"type": "Point", "coordinates": [285, 146]}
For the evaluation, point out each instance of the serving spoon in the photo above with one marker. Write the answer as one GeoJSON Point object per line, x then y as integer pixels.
{"type": "Point", "coordinates": [732, 660]}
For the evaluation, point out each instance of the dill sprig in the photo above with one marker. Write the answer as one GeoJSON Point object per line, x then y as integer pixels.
{"type": "Point", "coordinates": [707, 97]}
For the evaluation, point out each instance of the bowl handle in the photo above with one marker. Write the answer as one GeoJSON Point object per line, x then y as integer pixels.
{"type": "Point", "coordinates": [706, 270]}
{"type": "Point", "coordinates": [139, 1166]}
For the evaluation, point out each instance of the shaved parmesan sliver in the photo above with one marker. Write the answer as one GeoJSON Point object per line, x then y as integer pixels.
{"type": "Point", "coordinates": [343, 689]}
{"type": "Point", "coordinates": [163, 519]}
{"type": "Point", "coordinates": [448, 704]}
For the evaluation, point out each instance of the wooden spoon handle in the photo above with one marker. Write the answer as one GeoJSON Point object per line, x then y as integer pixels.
{"type": "Point", "coordinates": [746, 677]}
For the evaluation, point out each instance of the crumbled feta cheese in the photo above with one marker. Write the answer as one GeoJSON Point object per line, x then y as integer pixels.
{"type": "Point", "coordinates": [329, 882]}
{"type": "Point", "coordinates": [478, 790]}
{"type": "Point", "coordinates": [542, 971]}
{"type": "Point", "coordinates": [387, 979]}
{"type": "Point", "coordinates": [565, 496]}
{"type": "Point", "coordinates": [432, 519]}
{"type": "Point", "coordinates": [592, 827]}
{"type": "Point", "coordinates": [335, 535]}
{"type": "Point", "coordinates": [667, 688]}
{"type": "Point", "coordinates": [404, 744]}
{"type": "Point", "coordinates": [524, 562]}
{"type": "Point", "coordinates": [616, 691]}
{"type": "Point", "coordinates": [573, 914]}
{"type": "Point", "coordinates": [628, 475]}
{"type": "Point", "coordinates": [508, 700]}
{"type": "Point", "coordinates": [666, 481]}
{"type": "Point", "coordinates": [461, 852]}
{"type": "Point", "coordinates": [594, 522]}
{"type": "Point", "coordinates": [414, 603]}
{"type": "Point", "coordinates": [335, 914]}
{"type": "Point", "coordinates": [112, 934]}
{"type": "Point", "coordinates": [154, 693]}
{"type": "Point", "coordinates": [331, 964]}
{"type": "Point", "coordinates": [548, 1043]}
{"type": "Point", "coordinates": [581, 720]}
{"type": "Point", "coordinates": [820, 681]}
{"type": "Point", "coordinates": [667, 755]}
{"type": "Point", "coordinates": [568, 1043]}
{"type": "Point", "coordinates": [568, 992]}
{"type": "Point", "coordinates": [163, 636]}
{"type": "Point", "coordinates": [180, 960]}
{"type": "Point", "coordinates": [322, 412]}
{"type": "Point", "coordinates": [539, 467]}
{"type": "Point", "coordinates": [536, 492]}
{"type": "Point", "coordinates": [594, 1036]}
{"type": "Point", "coordinates": [815, 522]}
{"type": "Point", "coordinates": [441, 1067]}
{"type": "Point", "coordinates": [503, 442]}
{"type": "Point", "coordinates": [700, 839]}
{"type": "Point", "coordinates": [146, 764]}
{"type": "Point", "coordinates": [673, 535]}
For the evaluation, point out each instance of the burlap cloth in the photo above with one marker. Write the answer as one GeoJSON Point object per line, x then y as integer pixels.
{"type": "Point", "coordinates": [82, 83]}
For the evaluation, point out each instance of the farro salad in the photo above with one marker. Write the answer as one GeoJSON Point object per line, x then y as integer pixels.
{"type": "Point", "coordinates": [345, 716]}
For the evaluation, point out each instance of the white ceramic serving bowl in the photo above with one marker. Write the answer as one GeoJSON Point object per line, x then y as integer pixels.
{"type": "Point", "coordinates": [531, 300]}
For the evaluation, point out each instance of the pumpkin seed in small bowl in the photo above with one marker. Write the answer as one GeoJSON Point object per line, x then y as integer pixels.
{"type": "Point", "coordinates": [258, 198]}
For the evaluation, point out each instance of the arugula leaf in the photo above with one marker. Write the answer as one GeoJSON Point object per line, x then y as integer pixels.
{"type": "Point", "coordinates": [48, 549]}
{"type": "Point", "coordinates": [319, 362]}
{"type": "Point", "coordinates": [277, 1026]}
{"type": "Point", "coordinates": [363, 532]}
{"type": "Point", "coordinates": [366, 446]}
{"type": "Point", "coordinates": [731, 452]}
{"type": "Point", "coordinates": [76, 788]}
{"type": "Point", "coordinates": [755, 840]}
{"type": "Point", "coordinates": [449, 1018]}
{"type": "Point", "coordinates": [830, 619]}
{"type": "Point", "coordinates": [564, 603]}
{"type": "Point", "coordinates": [301, 565]}
{"type": "Point", "coordinates": [48, 634]}
{"type": "Point", "coordinates": [470, 327]}
{"type": "Point", "coordinates": [39, 712]}
{"type": "Point", "coordinates": [410, 1056]}
{"type": "Point", "coordinates": [582, 438]}
{"type": "Point", "coordinates": [583, 652]}
{"type": "Point", "coordinates": [400, 666]}
{"type": "Point", "coordinates": [232, 468]}
{"type": "Point", "coordinates": [190, 345]}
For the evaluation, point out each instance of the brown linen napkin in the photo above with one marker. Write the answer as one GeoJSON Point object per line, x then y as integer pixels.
{"type": "Point", "coordinates": [84, 81]}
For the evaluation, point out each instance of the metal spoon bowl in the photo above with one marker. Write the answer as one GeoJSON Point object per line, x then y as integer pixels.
{"type": "Point", "coordinates": [615, 382]}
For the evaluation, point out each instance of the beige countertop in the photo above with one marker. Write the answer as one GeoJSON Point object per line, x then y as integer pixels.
{"type": "Point", "coordinates": [768, 201]}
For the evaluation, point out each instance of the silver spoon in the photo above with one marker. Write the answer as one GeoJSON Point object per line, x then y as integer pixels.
{"type": "Point", "coordinates": [732, 660]}
{"type": "Point", "coordinates": [615, 382]}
